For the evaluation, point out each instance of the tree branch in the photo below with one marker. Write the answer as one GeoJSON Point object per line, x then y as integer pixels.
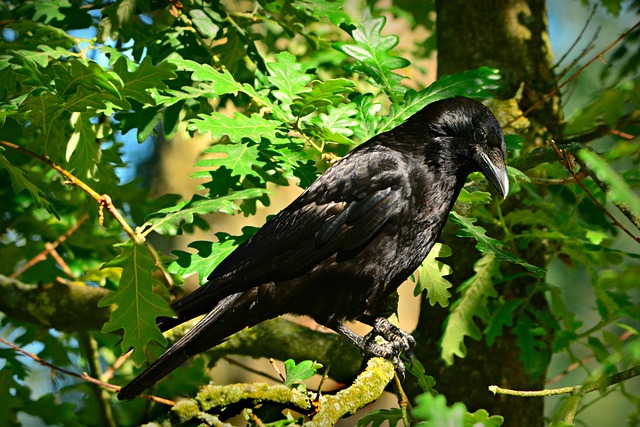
{"type": "Point", "coordinates": [64, 305]}
{"type": "Point", "coordinates": [552, 93]}
{"type": "Point", "coordinates": [564, 160]}
{"type": "Point", "coordinates": [367, 387]}
{"type": "Point", "coordinates": [578, 389]}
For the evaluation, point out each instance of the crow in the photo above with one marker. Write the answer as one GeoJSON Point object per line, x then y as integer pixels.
{"type": "Point", "coordinates": [349, 240]}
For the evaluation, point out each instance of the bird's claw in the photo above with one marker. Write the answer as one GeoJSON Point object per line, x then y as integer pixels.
{"type": "Point", "coordinates": [397, 341]}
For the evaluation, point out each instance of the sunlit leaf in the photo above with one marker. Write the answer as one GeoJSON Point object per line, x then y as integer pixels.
{"type": "Point", "coordinates": [170, 220]}
{"type": "Point", "coordinates": [430, 276]}
{"type": "Point", "coordinates": [371, 52]}
{"type": "Point", "coordinates": [208, 254]}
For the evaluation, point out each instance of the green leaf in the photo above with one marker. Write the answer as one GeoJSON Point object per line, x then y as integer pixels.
{"type": "Point", "coordinates": [608, 106]}
{"type": "Point", "coordinates": [11, 403]}
{"type": "Point", "coordinates": [500, 318]}
{"type": "Point", "coordinates": [390, 417]}
{"type": "Point", "coordinates": [618, 190]}
{"type": "Point", "coordinates": [225, 83]}
{"type": "Point", "coordinates": [322, 95]}
{"type": "Point", "coordinates": [43, 55]}
{"type": "Point", "coordinates": [83, 150]}
{"type": "Point", "coordinates": [103, 84]}
{"type": "Point", "coordinates": [416, 368]}
{"type": "Point", "coordinates": [208, 255]}
{"type": "Point", "coordinates": [517, 175]}
{"type": "Point", "coordinates": [481, 418]}
{"type": "Point", "coordinates": [46, 10]}
{"type": "Point", "coordinates": [600, 351]}
{"type": "Point", "coordinates": [434, 412]}
{"type": "Point", "coordinates": [367, 116]}
{"type": "Point", "coordinates": [117, 17]}
{"type": "Point", "coordinates": [169, 221]}
{"type": "Point", "coordinates": [472, 83]}
{"type": "Point", "coordinates": [486, 244]}
{"type": "Point", "coordinates": [295, 374]}
{"type": "Point", "coordinates": [371, 53]}
{"type": "Point", "coordinates": [514, 142]}
{"type": "Point", "coordinates": [236, 128]}
{"type": "Point", "coordinates": [533, 351]}
{"type": "Point", "coordinates": [339, 120]}
{"type": "Point", "coordinates": [202, 21]}
{"type": "Point", "coordinates": [430, 276]}
{"type": "Point", "coordinates": [479, 197]}
{"type": "Point", "coordinates": [44, 109]}
{"type": "Point", "coordinates": [472, 303]}
{"type": "Point", "coordinates": [137, 305]}
{"type": "Point", "coordinates": [240, 159]}
{"type": "Point", "coordinates": [20, 181]}
{"type": "Point", "coordinates": [147, 76]}
{"type": "Point", "coordinates": [331, 9]}
{"type": "Point", "coordinates": [289, 77]}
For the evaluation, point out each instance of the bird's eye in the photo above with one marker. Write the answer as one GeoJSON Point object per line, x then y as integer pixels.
{"type": "Point", "coordinates": [479, 135]}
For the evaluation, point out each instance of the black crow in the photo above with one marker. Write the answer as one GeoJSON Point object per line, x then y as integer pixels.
{"type": "Point", "coordinates": [349, 240]}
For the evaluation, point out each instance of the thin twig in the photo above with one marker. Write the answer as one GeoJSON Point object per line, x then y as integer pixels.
{"type": "Point", "coordinates": [559, 181]}
{"type": "Point", "coordinates": [578, 389]}
{"type": "Point", "coordinates": [275, 368]}
{"type": "Point", "coordinates": [565, 162]}
{"type": "Point", "coordinates": [575, 365]}
{"type": "Point", "coordinates": [84, 376]}
{"type": "Point", "coordinates": [156, 257]}
{"type": "Point", "coordinates": [49, 248]}
{"type": "Point", "coordinates": [575, 42]}
{"type": "Point", "coordinates": [258, 422]}
{"type": "Point", "coordinates": [255, 371]}
{"type": "Point", "coordinates": [103, 200]}
{"type": "Point", "coordinates": [403, 400]}
{"type": "Point", "coordinates": [548, 96]}
{"type": "Point", "coordinates": [110, 371]}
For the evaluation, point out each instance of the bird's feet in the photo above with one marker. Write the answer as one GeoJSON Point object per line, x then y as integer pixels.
{"type": "Point", "coordinates": [396, 341]}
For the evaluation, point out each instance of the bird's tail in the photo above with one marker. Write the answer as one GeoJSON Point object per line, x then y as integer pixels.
{"type": "Point", "coordinates": [159, 369]}
{"type": "Point", "coordinates": [199, 338]}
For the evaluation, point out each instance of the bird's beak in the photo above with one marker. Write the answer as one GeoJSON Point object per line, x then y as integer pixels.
{"type": "Point", "coordinates": [496, 172]}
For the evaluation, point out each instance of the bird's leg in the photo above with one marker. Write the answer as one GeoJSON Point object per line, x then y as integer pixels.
{"type": "Point", "coordinates": [399, 339]}
{"type": "Point", "coordinates": [390, 349]}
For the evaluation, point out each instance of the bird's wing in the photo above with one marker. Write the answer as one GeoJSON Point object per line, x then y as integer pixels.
{"type": "Point", "coordinates": [340, 212]}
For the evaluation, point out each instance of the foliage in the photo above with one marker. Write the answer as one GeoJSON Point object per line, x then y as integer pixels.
{"type": "Point", "coordinates": [280, 91]}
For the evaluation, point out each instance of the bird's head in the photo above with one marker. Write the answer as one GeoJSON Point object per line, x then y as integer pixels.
{"type": "Point", "coordinates": [470, 133]}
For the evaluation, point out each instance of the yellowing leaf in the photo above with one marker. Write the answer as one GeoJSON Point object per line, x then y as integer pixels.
{"type": "Point", "coordinates": [430, 276]}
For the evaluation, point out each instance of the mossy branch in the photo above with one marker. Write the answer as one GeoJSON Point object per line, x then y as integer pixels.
{"type": "Point", "coordinates": [64, 305]}
{"type": "Point", "coordinates": [367, 387]}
